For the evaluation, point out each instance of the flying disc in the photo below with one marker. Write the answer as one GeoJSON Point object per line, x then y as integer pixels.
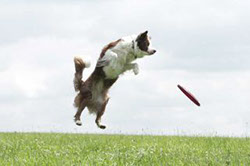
{"type": "Point", "coordinates": [189, 95]}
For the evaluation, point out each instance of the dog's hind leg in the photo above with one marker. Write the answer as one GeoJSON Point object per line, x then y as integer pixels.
{"type": "Point", "coordinates": [81, 102]}
{"type": "Point", "coordinates": [100, 113]}
{"type": "Point", "coordinates": [79, 112]}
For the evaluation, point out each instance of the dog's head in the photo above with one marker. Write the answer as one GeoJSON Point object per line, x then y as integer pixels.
{"type": "Point", "coordinates": [143, 45]}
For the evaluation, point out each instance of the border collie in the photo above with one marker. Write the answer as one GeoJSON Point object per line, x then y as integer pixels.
{"type": "Point", "coordinates": [115, 59]}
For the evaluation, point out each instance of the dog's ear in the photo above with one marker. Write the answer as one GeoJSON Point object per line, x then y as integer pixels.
{"type": "Point", "coordinates": [142, 35]}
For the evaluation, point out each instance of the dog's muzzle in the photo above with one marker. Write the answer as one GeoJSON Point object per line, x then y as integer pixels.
{"type": "Point", "coordinates": [151, 52]}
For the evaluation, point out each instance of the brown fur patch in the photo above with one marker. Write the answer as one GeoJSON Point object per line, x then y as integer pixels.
{"type": "Point", "coordinates": [143, 42]}
{"type": "Point", "coordinates": [110, 45]}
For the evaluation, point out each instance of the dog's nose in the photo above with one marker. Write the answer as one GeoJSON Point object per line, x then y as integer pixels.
{"type": "Point", "coordinates": [151, 52]}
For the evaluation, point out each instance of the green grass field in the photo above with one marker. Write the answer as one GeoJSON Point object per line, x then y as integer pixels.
{"type": "Point", "coordinates": [81, 149]}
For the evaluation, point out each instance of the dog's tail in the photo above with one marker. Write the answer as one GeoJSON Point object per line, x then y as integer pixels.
{"type": "Point", "coordinates": [80, 65]}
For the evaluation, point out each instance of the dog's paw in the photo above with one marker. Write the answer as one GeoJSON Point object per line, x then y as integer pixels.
{"type": "Point", "coordinates": [102, 127]}
{"type": "Point", "coordinates": [136, 69]}
{"type": "Point", "coordinates": [78, 122]}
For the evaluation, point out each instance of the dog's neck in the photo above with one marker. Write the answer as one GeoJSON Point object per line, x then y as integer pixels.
{"type": "Point", "coordinates": [132, 47]}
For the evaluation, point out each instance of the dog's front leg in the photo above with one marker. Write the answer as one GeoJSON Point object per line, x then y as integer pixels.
{"type": "Point", "coordinates": [134, 67]}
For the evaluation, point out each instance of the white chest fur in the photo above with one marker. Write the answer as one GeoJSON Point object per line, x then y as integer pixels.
{"type": "Point", "coordinates": [118, 57]}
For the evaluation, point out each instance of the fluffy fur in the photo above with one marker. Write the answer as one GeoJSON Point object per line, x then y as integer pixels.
{"type": "Point", "coordinates": [115, 59]}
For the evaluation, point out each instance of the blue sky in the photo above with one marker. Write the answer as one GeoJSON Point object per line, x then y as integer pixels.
{"type": "Point", "coordinates": [202, 45]}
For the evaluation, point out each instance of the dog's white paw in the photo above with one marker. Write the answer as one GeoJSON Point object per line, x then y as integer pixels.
{"type": "Point", "coordinates": [78, 122]}
{"type": "Point", "coordinates": [136, 69]}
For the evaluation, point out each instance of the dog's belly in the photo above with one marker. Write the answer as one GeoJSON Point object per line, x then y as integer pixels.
{"type": "Point", "coordinates": [113, 72]}
{"type": "Point", "coordinates": [98, 97]}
